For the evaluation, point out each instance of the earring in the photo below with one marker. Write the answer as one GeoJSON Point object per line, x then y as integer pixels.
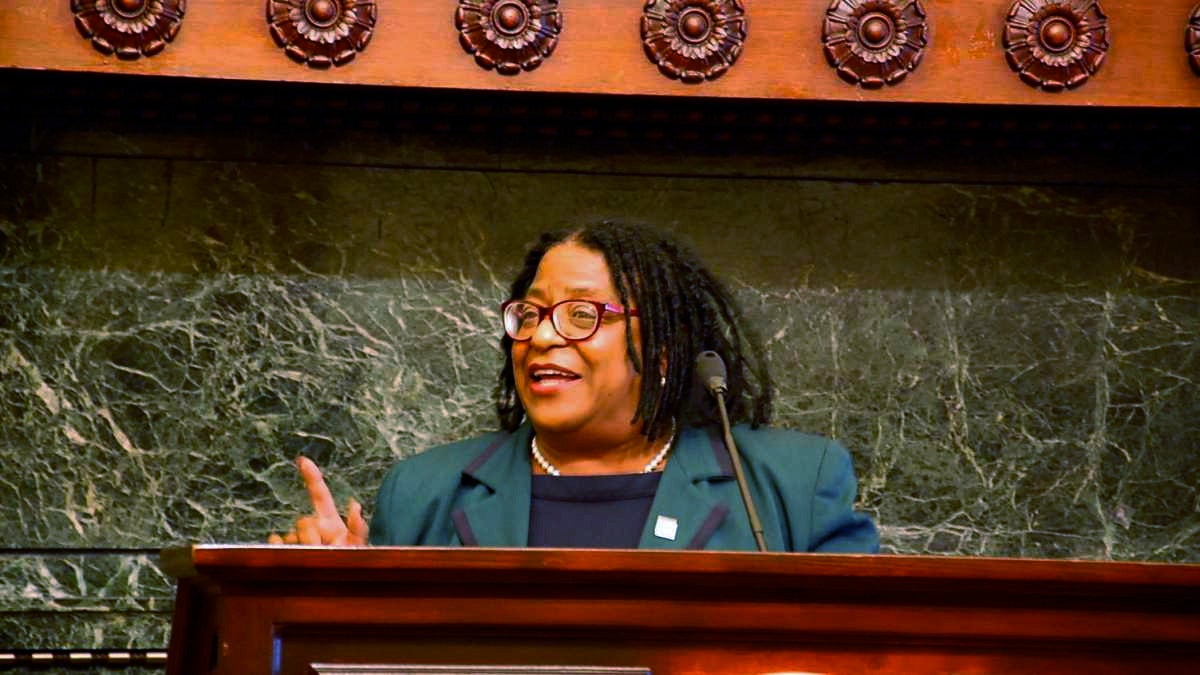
{"type": "Point", "coordinates": [662, 381]}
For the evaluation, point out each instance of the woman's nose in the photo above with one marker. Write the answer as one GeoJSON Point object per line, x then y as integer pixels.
{"type": "Point", "coordinates": [545, 334]}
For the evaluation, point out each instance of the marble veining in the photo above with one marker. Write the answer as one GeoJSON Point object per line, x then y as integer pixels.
{"type": "Point", "coordinates": [141, 410]}
{"type": "Point", "coordinates": [101, 601]}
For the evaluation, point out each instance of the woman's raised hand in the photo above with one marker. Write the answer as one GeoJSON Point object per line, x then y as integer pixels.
{"type": "Point", "coordinates": [324, 525]}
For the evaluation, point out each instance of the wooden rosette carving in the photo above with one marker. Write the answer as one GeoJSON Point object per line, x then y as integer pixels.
{"type": "Point", "coordinates": [129, 28]}
{"type": "Point", "coordinates": [322, 33]}
{"type": "Point", "coordinates": [1056, 44]}
{"type": "Point", "coordinates": [693, 40]}
{"type": "Point", "coordinates": [508, 35]}
{"type": "Point", "coordinates": [875, 42]}
{"type": "Point", "coordinates": [1191, 39]}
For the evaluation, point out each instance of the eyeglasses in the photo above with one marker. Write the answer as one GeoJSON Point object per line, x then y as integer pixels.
{"type": "Point", "coordinates": [572, 319]}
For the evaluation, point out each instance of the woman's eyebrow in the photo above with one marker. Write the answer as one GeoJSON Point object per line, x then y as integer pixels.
{"type": "Point", "coordinates": [571, 293]}
{"type": "Point", "coordinates": [582, 290]}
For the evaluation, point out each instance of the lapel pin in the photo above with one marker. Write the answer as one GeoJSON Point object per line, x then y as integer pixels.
{"type": "Point", "coordinates": [666, 527]}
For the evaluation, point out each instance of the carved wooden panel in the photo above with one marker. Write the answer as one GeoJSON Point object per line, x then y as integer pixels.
{"type": "Point", "coordinates": [129, 28]}
{"type": "Point", "coordinates": [673, 612]}
{"type": "Point", "coordinates": [509, 35]}
{"type": "Point", "coordinates": [875, 42]}
{"type": "Point", "coordinates": [1056, 44]}
{"type": "Point", "coordinates": [1192, 39]}
{"type": "Point", "coordinates": [693, 40]}
{"type": "Point", "coordinates": [420, 49]}
{"type": "Point", "coordinates": [322, 33]}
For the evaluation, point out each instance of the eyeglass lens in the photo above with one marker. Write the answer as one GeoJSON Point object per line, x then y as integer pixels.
{"type": "Point", "coordinates": [573, 319]}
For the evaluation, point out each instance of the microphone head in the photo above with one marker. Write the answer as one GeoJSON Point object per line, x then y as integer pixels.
{"type": "Point", "coordinates": [710, 369]}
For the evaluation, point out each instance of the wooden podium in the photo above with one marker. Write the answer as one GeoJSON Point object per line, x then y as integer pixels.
{"type": "Point", "coordinates": [256, 609]}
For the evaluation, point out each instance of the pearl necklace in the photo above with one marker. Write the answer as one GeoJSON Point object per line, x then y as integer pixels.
{"type": "Point", "coordinates": [553, 470]}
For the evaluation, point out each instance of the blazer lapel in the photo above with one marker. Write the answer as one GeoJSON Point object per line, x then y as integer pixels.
{"type": "Point", "coordinates": [496, 512]}
{"type": "Point", "coordinates": [683, 516]}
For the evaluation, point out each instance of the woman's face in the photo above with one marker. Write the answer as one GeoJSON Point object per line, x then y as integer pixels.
{"type": "Point", "coordinates": [587, 385]}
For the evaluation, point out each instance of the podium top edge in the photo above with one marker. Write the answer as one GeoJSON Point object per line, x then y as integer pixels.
{"type": "Point", "coordinates": [627, 565]}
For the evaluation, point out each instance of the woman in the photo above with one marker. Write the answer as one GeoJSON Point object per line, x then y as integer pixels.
{"type": "Point", "coordinates": [607, 439]}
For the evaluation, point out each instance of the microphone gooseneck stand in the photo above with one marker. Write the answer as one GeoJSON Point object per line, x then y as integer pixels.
{"type": "Point", "coordinates": [711, 370]}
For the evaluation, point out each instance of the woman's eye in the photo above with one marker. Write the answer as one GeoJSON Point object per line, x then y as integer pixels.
{"type": "Point", "coordinates": [583, 316]}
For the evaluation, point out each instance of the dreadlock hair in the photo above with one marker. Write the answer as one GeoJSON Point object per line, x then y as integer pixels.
{"type": "Point", "coordinates": [684, 310]}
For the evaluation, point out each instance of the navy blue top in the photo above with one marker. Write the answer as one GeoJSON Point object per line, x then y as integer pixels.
{"type": "Point", "coordinates": [590, 511]}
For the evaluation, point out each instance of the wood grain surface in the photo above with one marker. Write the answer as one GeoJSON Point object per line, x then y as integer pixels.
{"type": "Point", "coordinates": [283, 609]}
{"type": "Point", "coordinates": [416, 45]}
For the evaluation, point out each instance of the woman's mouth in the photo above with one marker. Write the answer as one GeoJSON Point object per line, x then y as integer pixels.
{"type": "Point", "coordinates": [545, 379]}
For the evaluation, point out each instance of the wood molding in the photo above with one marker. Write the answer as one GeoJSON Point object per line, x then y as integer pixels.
{"type": "Point", "coordinates": [693, 40]}
{"type": "Point", "coordinates": [1191, 39]}
{"type": "Point", "coordinates": [129, 28]}
{"type": "Point", "coordinates": [876, 42]}
{"type": "Point", "coordinates": [600, 51]}
{"type": "Point", "coordinates": [509, 35]}
{"type": "Point", "coordinates": [1056, 44]}
{"type": "Point", "coordinates": [322, 33]}
{"type": "Point", "coordinates": [260, 609]}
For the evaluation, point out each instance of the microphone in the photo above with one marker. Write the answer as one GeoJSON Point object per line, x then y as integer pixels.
{"type": "Point", "coordinates": [710, 369]}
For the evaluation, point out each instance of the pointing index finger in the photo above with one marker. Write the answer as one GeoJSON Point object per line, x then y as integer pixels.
{"type": "Point", "coordinates": [318, 491]}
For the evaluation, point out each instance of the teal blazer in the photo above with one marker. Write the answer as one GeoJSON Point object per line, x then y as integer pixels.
{"type": "Point", "coordinates": [476, 493]}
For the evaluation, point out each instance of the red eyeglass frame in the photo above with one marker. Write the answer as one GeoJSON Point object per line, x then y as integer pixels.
{"type": "Point", "coordinates": [602, 308]}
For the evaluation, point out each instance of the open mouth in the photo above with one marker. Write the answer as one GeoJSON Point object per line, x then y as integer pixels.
{"type": "Point", "coordinates": [551, 375]}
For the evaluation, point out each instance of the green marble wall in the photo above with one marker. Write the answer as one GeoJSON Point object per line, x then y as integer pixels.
{"type": "Point", "coordinates": [1012, 355]}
